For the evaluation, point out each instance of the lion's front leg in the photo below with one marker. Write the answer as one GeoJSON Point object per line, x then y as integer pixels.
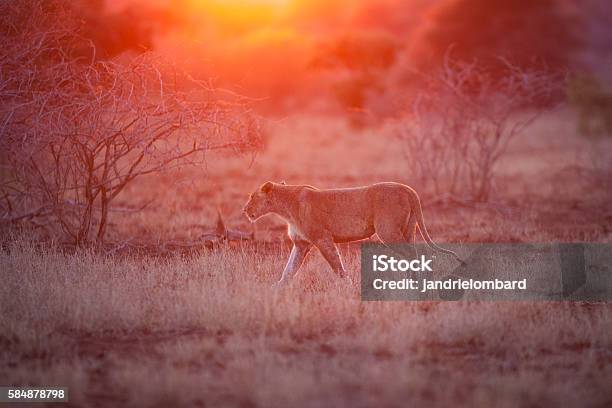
{"type": "Point", "coordinates": [296, 258]}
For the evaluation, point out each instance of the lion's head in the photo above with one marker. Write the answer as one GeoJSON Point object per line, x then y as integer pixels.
{"type": "Point", "coordinates": [260, 202]}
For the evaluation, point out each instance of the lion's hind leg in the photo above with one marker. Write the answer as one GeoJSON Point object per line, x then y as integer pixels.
{"type": "Point", "coordinates": [392, 232]}
{"type": "Point", "coordinates": [411, 229]}
{"type": "Point", "coordinates": [330, 252]}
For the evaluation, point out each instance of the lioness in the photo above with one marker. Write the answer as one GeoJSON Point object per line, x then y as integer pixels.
{"type": "Point", "coordinates": [325, 217]}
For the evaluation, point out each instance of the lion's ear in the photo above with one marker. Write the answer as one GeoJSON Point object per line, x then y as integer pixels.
{"type": "Point", "coordinates": [266, 187]}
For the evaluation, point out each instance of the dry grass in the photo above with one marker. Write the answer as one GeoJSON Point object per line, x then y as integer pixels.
{"type": "Point", "coordinates": [206, 329]}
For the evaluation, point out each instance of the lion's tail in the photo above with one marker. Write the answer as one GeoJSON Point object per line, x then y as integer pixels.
{"type": "Point", "coordinates": [418, 212]}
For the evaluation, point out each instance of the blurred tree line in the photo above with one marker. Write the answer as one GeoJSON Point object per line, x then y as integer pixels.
{"type": "Point", "coordinates": [388, 44]}
{"type": "Point", "coordinates": [104, 33]}
{"type": "Point", "coordinates": [527, 34]}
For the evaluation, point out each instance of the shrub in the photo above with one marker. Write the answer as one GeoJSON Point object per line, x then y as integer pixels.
{"type": "Point", "coordinates": [75, 133]}
{"type": "Point", "coordinates": [460, 125]}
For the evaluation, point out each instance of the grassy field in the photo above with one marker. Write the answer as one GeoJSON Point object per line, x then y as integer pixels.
{"type": "Point", "coordinates": [122, 327]}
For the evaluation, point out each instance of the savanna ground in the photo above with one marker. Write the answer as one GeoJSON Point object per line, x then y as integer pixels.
{"type": "Point", "coordinates": [124, 326]}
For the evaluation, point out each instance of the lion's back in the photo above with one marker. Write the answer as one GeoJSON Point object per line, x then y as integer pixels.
{"type": "Point", "coordinates": [355, 204]}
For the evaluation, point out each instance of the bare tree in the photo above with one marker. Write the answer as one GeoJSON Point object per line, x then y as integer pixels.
{"type": "Point", "coordinates": [461, 124]}
{"type": "Point", "coordinates": [74, 133]}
